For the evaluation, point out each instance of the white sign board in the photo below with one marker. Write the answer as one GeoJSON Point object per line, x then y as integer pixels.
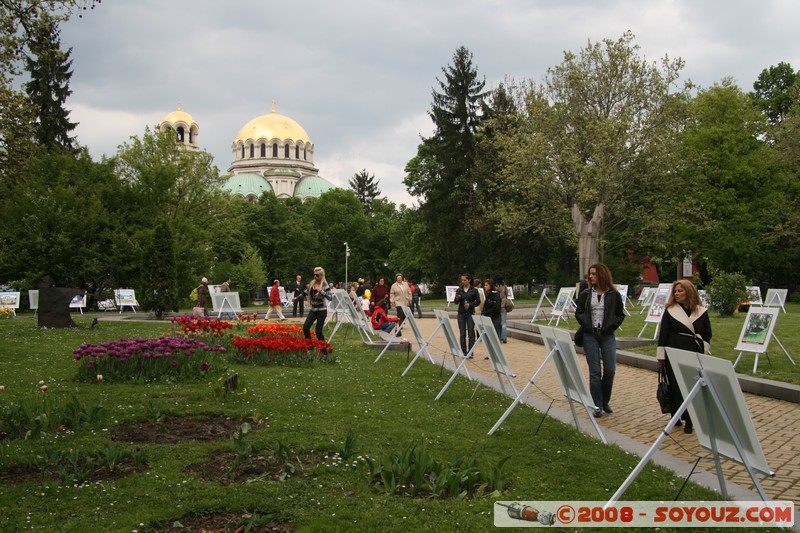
{"type": "Point", "coordinates": [658, 306]}
{"type": "Point", "coordinates": [78, 301]}
{"type": "Point", "coordinates": [623, 292]}
{"type": "Point", "coordinates": [704, 298]}
{"type": "Point", "coordinates": [124, 297]}
{"type": "Point", "coordinates": [776, 298]}
{"type": "Point", "coordinates": [9, 299]}
{"type": "Point", "coordinates": [757, 329]}
{"type": "Point", "coordinates": [33, 299]}
{"type": "Point", "coordinates": [709, 415]}
{"type": "Point", "coordinates": [565, 295]}
{"type": "Point", "coordinates": [754, 295]}
{"type": "Point", "coordinates": [450, 293]}
{"type": "Point", "coordinates": [510, 293]}
{"type": "Point", "coordinates": [225, 302]}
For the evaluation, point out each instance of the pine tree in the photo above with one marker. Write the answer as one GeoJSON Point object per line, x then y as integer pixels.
{"type": "Point", "coordinates": [366, 189]}
{"type": "Point", "coordinates": [160, 272]}
{"type": "Point", "coordinates": [48, 88]}
{"type": "Point", "coordinates": [442, 171]}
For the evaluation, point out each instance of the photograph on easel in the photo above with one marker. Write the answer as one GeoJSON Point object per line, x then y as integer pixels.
{"type": "Point", "coordinates": [757, 328]}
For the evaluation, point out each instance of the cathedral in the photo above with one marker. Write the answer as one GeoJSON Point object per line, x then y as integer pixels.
{"type": "Point", "coordinates": [271, 153]}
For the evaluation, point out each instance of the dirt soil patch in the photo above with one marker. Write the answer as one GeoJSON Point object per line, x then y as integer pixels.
{"type": "Point", "coordinates": [179, 429]}
{"type": "Point", "coordinates": [33, 474]}
{"type": "Point", "coordinates": [257, 465]}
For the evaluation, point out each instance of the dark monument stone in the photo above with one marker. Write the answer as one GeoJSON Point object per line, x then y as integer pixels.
{"type": "Point", "coordinates": [54, 306]}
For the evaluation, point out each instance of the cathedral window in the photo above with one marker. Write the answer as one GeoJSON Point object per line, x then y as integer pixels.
{"type": "Point", "coordinates": [286, 151]}
{"type": "Point", "coordinates": [275, 150]}
{"type": "Point", "coordinates": [252, 151]}
{"type": "Point", "coordinates": [297, 152]}
{"type": "Point", "coordinates": [180, 134]}
{"type": "Point", "coordinates": [305, 154]}
{"type": "Point", "coordinates": [242, 151]}
{"type": "Point", "coordinates": [263, 150]}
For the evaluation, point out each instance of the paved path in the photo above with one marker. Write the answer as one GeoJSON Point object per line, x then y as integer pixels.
{"type": "Point", "coordinates": [638, 416]}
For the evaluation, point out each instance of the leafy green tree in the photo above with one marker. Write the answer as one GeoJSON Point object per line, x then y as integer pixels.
{"type": "Point", "coordinates": [65, 221]}
{"type": "Point", "coordinates": [164, 180]}
{"type": "Point", "coordinates": [441, 174]}
{"type": "Point", "coordinates": [773, 91]}
{"type": "Point", "coordinates": [730, 177]}
{"type": "Point", "coordinates": [18, 22]}
{"type": "Point", "coordinates": [160, 274]}
{"type": "Point", "coordinates": [249, 273]}
{"type": "Point", "coordinates": [48, 89]}
{"type": "Point", "coordinates": [366, 188]}
{"type": "Point", "coordinates": [602, 128]}
{"type": "Point", "coordinates": [337, 217]}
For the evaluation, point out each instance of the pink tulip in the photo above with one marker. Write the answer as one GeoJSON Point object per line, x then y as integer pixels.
{"type": "Point", "coordinates": [99, 377]}
{"type": "Point", "coordinates": [44, 388]}
{"type": "Point", "coordinates": [41, 382]}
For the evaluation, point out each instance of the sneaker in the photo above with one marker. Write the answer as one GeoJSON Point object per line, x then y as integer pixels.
{"type": "Point", "coordinates": [598, 413]}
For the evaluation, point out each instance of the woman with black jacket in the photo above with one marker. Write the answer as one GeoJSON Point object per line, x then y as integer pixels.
{"type": "Point", "coordinates": [492, 306]}
{"type": "Point", "coordinates": [684, 325]}
{"type": "Point", "coordinates": [467, 298]}
{"type": "Point", "coordinates": [599, 311]}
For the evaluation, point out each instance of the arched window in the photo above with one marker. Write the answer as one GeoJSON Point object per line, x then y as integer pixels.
{"type": "Point", "coordinates": [275, 150]}
{"type": "Point", "coordinates": [180, 134]}
{"type": "Point", "coordinates": [286, 151]}
{"type": "Point", "coordinates": [252, 151]}
{"type": "Point", "coordinates": [242, 151]}
{"type": "Point", "coordinates": [191, 136]}
{"type": "Point", "coordinates": [297, 152]}
{"type": "Point", "coordinates": [305, 154]}
{"type": "Point", "coordinates": [263, 150]}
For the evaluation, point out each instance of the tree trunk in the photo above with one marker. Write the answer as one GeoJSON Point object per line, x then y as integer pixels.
{"type": "Point", "coordinates": [588, 232]}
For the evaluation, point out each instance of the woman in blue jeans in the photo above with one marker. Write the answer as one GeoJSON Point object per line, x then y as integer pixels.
{"type": "Point", "coordinates": [599, 312]}
{"type": "Point", "coordinates": [467, 298]}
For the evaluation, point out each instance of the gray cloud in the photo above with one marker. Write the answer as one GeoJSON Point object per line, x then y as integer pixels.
{"type": "Point", "coordinates": [358, 75]}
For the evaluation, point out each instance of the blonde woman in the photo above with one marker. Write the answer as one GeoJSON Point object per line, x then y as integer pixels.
{"type": "Point", "coordinates": [684, 325]}
{"type": "Point", "coordinates": [400, 294]}
{"type": "Point", "coordinates": [319, 293]}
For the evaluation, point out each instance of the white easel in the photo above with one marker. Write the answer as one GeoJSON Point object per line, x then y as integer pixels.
{"type": "Point", "coordinates": [562, 352]}
{"type": "Point", "coordinates": [10, 300]}
{"type": "Point", "coordinates": [125, 297]}
{"type": "Point", "coordinates": [226, 302]}
{"type": "Point", "coordinates": [657, 307]}
{"type": "Point", "coordinates": [564, 302]}
{"type": "Point", "coordinates": [712, 394]}
{"type": "Point", "coordinates": [776, 298]}
{"type": "Point", "coordinates": [542, 298]}
{"type": "Point", "coordinates": [755, 335]}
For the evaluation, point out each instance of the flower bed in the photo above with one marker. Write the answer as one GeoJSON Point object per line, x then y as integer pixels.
{"type": "Point", "coordinates": [164, 358]}
{"type": "Point", "coordinates": [280, 344]}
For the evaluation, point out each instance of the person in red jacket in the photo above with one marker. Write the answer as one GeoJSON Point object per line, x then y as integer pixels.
{"type": "Point", "coordinates": [275, 303]}
{"type": "Point", "coordinates": [381, 320]}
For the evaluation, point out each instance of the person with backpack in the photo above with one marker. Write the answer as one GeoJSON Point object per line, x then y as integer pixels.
{"type": "Point", "coordinates": [201, 306]}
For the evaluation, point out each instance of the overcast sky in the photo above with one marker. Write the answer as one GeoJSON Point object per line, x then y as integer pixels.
{"type": "Point", "coordinates": [358, 75]}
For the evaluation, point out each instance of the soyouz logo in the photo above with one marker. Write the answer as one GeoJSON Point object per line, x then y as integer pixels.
{"type": "Point", "coordinates": [747, 514]}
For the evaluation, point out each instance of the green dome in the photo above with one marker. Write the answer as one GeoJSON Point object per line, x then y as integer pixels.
{"type": "Point", "coordinates": [247, 185]}
{"type": "Point", "coordinates": [312, 186]}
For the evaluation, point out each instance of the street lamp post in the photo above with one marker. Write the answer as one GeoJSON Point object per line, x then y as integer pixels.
{"type": "Point", "coordinates": [346, 257]}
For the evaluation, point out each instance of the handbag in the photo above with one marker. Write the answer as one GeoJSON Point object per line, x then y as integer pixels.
{"type": "Point", "coordinates": [198, 311]}
{"type": "Point", "coordinates": [662, 391]}
{"type": "Point", "coordinates": [579, 337]}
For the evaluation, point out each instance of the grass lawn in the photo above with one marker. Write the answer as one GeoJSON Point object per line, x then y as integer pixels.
{"type": "Point", "coordinates": [308, 411]}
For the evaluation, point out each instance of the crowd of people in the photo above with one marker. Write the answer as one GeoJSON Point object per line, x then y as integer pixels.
{"type": "Point", "coordinates": [599, 310]}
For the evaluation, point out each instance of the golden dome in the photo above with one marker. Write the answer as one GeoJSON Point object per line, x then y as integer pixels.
{"type": "Point", "coordinates": [272, 126]}
{"type": "Point", "coordinates": [179, 116]}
